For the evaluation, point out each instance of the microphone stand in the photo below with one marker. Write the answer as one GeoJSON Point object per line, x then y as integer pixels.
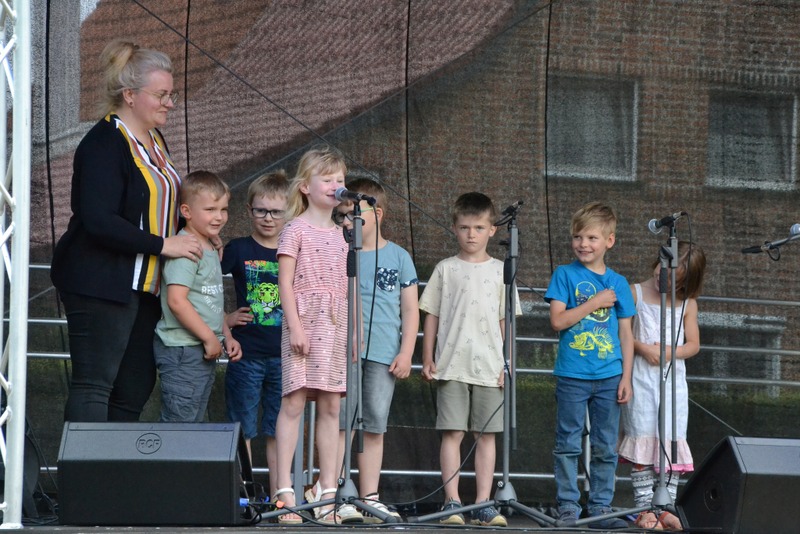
{"type": "Point", "coordinates": [347, 492]}
{"type": "Point", "coordinates": [668, 257]}
{"type": "Point", "coordinates": [505, 496]}
{"type": "Point", "coordinates": [773, 249]}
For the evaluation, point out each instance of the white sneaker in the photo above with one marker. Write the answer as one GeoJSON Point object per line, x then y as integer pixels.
{"type": "Point", "coordinates": [348, 514]}
{"type": "Point", "coordinates": [373, 500]}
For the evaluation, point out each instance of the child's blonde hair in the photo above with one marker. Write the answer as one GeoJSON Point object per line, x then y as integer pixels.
{"type": "Point", "coordinates": [272, 184]}
{"type": "Point", "coordinates": [594, 214]}
{"type": "Point", "coordinates": [322, 159]}
{"type": "Point", "coordinates": [197, 182]}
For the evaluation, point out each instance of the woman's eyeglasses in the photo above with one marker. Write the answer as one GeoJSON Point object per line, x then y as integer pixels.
{"type": "Point", "coordinates": [164, 98]}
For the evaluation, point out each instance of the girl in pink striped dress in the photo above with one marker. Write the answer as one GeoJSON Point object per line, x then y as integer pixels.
{"type": "Point", "coordinates": [312, 281]}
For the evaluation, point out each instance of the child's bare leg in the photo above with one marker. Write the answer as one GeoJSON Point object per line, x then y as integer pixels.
{"type": "Point", "coordinates": [369, 464]}
{"type": "Point", "coordinates": [485, 454]}
{"type": "Point", "coordinates": [328, 438]}
{"type": "Point", "coordinates": [272, 463]}
{"type": "Point", "coordinates": [286, 434]}
{"type": "Point", "coordinates": [450, 460]}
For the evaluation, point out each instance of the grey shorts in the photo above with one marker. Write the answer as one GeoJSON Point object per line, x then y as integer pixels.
{"type": "Point", "coordinates": [377, 389]}
{"type": "Point", "coordinates": [468, 408]}
{"type": "Point", "coordinates": [186, 381]}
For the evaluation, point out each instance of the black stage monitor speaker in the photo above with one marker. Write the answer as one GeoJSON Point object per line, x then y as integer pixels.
{"type": "Point", "coordinates": [745, 485]}
{"type": "Point", "coordinates": [152, 474]}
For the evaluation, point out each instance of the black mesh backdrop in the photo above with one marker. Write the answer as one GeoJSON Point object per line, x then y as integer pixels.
{"type": "Point", "coordinates": [652, 106]}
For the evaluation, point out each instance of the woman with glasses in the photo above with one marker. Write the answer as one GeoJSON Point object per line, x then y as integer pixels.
{"type": "Point", "coordinates": [106, 266]}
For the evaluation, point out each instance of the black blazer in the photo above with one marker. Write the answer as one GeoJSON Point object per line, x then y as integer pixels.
{"type": "Point", "coordinates": [96, 255]}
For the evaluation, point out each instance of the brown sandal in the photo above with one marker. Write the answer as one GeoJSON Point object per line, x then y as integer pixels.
{"type": "Point", "coordinates": [664, 521]}
{"type": "Point", "coordinates": [669, 521]}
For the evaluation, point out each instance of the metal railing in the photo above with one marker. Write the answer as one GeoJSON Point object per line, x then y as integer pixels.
{"type": "Point", "coordinates": [526, 371]}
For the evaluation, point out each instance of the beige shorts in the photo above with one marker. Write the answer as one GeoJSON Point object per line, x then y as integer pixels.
{"type": "Point", "coordinates": [468, 408]}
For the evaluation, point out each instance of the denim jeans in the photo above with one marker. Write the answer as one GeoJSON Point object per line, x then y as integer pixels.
{"type": "Point", "coordinates": [111, 350]}
{"type": "Point", "coordinates": [573, 398]}
{"type": "Point", "coordinates": [248, 385]}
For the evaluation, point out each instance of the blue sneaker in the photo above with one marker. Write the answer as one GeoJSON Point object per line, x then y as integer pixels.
{"type": "Point", "coordinates": [567, 517]}
{"type": "Point", "coordinates": [609, 523]}
{"type": "Point", "coordinates": [454, 519]}
{"type": "Point", "coordinates": [488, 517]}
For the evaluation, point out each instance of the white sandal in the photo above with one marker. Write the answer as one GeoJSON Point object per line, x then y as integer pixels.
{"type": "Point", "coordinates": [289, 518]}
{"type": "Point", "coordinates": [323, 515]}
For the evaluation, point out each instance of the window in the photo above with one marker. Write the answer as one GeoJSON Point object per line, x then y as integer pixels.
{"type": "Point", "coordinates": [591, 128]}
{"type": "Point", "coordinates": [751, 140]}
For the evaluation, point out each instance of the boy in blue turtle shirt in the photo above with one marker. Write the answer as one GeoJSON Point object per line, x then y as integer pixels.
{"type": "Point", "coordinates": [591, 308]}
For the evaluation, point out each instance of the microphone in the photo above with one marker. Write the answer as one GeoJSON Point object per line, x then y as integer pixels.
{"type": "Point", "coordinates": [343, 194]}
{"type": "Point", "coordinates": [656, 225]}
{"type": "Point", "coordinates": [794, 233]}
{"type": "Point", "coordinates": [514, 207]}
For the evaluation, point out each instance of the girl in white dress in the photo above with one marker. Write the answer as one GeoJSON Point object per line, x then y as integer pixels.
{"type": "Point", "coordinates": [640, 443]}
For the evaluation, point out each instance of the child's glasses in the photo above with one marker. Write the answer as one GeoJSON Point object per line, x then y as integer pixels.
{"type": "Point", "coordinates": [261, 213]}
{"type": "Point", "coordinates": [339, 217]}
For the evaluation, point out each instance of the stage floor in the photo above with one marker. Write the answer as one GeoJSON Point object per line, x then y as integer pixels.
{"type": "Point", "coordinates": [516, 523]}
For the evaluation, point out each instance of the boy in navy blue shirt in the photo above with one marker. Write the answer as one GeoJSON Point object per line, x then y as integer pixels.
{"type": "Point", "coordinates": [256, 379]}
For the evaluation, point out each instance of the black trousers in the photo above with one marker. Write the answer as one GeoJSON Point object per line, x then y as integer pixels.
{"type": "Point", "coordinates": [111, 350]}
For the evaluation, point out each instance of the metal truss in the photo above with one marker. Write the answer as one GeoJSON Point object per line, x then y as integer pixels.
{"type": "Point", "coordinates": [15, 62]}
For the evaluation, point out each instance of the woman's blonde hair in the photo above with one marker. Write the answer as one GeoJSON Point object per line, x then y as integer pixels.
{"type": "Point", "coordinates": [322, 159]}
{"type": "Point", "coordinates": [127, 66]}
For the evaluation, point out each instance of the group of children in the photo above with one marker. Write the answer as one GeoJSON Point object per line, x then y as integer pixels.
{"type": "Point", "coordinates": [286, 341]}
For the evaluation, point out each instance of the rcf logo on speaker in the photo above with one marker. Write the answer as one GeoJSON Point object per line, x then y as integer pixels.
{"type": "Point", "coordinates": [148, 443]}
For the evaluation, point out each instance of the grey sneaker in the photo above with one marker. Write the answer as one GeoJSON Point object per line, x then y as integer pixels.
{"type": "Point", "coordinates": [454, 519]}
{"type": "Point", "coordinates": [488, 517]}
{"type": "Point", "coordinates": [567, 517]}
{"type": "Point", "coordinates": [373, 499]}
